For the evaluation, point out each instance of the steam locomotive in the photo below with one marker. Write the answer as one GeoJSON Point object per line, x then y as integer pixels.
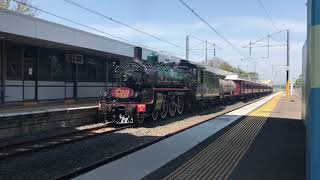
{"type": "Point", "coordinates": [161, 89]}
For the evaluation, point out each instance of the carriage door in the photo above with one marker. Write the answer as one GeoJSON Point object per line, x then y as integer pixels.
{"type": "Point", "coordinates": [29, 74]}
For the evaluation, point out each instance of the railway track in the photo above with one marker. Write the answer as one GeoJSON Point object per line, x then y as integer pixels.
{"type": "Point", "coordinates": [56, 144]}
{"type": "Point", "coordinates": [96, 164]}
{"type": "Point", "coordinates": [20, 148]}
{"type": "Point", "coordinates": [50, 142]}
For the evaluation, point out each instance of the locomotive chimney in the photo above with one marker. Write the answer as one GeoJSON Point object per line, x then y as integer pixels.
{"type": "Point", "coordinates": [137, 53]}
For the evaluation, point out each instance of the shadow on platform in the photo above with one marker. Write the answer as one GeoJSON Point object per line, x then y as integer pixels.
{"type": "Point", "coordinates": [277, 152]}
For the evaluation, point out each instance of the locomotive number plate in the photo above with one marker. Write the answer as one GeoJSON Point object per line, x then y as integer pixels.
{"type": "Point", "coordinates": [122, 92]}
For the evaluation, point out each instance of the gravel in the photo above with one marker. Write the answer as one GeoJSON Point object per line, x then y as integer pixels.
{"type": "Point", "coordinates": [51, 163]}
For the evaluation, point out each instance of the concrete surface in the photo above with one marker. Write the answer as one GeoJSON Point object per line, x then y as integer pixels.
{"type": "Point", "coordinates": [141, 163]}
{"type": "Point", "coordinates": [276, 151]}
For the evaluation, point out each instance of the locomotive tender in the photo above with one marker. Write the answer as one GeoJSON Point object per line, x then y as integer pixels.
{"type": "Point", "coordinates": [162, 89]}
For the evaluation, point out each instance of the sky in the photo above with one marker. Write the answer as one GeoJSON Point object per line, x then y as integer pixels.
{"type": "Point", "coordinates": [239, 21]}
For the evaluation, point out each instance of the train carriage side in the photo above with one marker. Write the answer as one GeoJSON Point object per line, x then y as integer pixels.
{"type": "Point", "coordinates": [211, 86]}
{"type": "Point", "coordinates": [239, 89]}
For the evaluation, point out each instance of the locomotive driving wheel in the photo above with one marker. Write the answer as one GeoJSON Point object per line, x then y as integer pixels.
{"type": "Point", "coordinates": [140, 118]}
{"type": "Point", "coordinates": [180, 105]}
{"type": "Point", "coordinates": [164, 110]}
{"type": "Point", "coordinates": [155, 115]}
{"type": "Point", "coordinates": [172, 109]}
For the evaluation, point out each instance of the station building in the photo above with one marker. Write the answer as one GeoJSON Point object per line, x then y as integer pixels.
{"type": "Point", "coordinates": [43, 61]}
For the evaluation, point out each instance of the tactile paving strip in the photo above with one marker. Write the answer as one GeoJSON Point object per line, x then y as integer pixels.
{"type": "Point", "coordinates": [218, 160]}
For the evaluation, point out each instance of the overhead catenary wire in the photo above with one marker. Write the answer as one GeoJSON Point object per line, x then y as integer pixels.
{"type": "Point", "coordinates": [198, 44]}
{"type": "Point", "coordinates": [284, 44]}
{"type": "Point", "coordinates": [92, 28]}
{"type": "Point", "coordinates": [268, 15]}
{"type": "Point", "coordinates": [261, 39]}
{"type": "Point", "coordinates": [122, 23]}
{"type": "Point", "coordinates": [204, 41]}
{"type": "Point", "coordinates": [211, 27]}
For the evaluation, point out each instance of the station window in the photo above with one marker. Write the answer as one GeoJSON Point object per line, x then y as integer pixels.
{"type": "Point", "coordinates": [83, 72]}
{"type": "Point", "coordinates": [92, 70]}
{"type": "Point", "coordinates": [14, 63]}
{"type": "Point", "coordinates": [30, 52]}
{"type": "Point", "coordinates": [101, 71]}
{"type": "Point", "coordinates": [70, 72]}
{"type": "Point", "coordinates": [51, 65]}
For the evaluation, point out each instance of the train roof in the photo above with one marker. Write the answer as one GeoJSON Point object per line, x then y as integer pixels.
{"type": "Point", "coordinates": [214, 70]}
{"type": "Point", "coordinates": [236, 78]}
{"type": "Point", "coordinates": [219, 71]}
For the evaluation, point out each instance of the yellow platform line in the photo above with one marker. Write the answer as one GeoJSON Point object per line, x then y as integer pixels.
{"type": "Point", "coordinates": [218, 160]}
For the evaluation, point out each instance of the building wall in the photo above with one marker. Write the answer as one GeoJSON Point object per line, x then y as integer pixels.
{"type": "Point", "coordinates": [35, 49]}
{"type": "Point", "coordinates": [33, 73]}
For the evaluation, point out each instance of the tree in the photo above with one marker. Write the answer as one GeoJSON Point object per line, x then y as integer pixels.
{"type": "Point", "coordinates": [299, 81]}
{"type": "Point", "coordinates": [222, 64]}
{"type": "Point", "coordinates": [18, 7]}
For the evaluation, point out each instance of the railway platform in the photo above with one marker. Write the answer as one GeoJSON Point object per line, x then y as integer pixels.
{"type": "Point", "coordinates": [264, 140]}
{"type": "Point", "coordinates": [28, 120]}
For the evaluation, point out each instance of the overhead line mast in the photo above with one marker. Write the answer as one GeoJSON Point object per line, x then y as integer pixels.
{"type": "Point", "coordinates": [287, 44]}
{"type": "Point", "coordinates": [211, 27]}
{"type": "Point", "coordinates": [206, 42]}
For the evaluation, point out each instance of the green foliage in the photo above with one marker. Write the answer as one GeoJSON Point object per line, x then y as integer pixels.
{"type": "Point", "coordinates": [18, 7]}
{"type": "Point", "coordinates": [299, 81]}
{"type": "Point", "coordinates": [221, 64]}
{"type": "Point", "coordinates": [243, 74]}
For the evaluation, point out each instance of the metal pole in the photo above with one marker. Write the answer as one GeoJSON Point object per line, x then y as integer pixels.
{"type": "Point", "coordinates": [187, 47]}
{"type": "Point", "coordinates": [214, 50]}
{"type": "Point", "coordinates": [250, 48]}
{"type": "Point", "coordinates": [288, 63]}
{"type": "Point", "coordinates": [206, 52]}
{"type": "Point", "coordinates": [272, 73]}
{"type": "Point", "coordinates": [288, 53]}
{"type": "Point", "coordinates": [107, 73]}
{"type": "Point", "coordinates": [268, 45]}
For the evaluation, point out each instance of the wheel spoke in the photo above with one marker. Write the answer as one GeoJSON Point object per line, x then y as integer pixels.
{"type": "Point", "coordinates": [164, 111]}
{"type": "Point", "coordinates": [155, 115]}
{"type": "Point", "coordinates": [172, 109]}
